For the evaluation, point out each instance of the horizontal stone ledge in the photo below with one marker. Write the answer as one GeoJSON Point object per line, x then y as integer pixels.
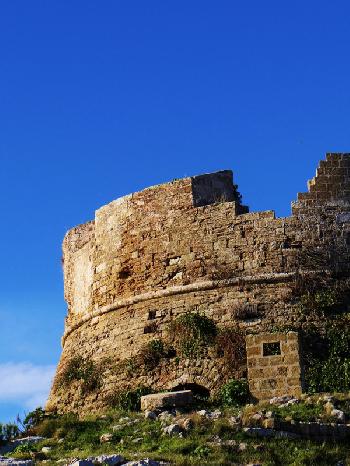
{"type": "Point", "coordinates": [206, 285]}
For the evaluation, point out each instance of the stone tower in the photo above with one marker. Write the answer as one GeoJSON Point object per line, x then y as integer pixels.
{"type": "Point", "coordinates": [189, 245]}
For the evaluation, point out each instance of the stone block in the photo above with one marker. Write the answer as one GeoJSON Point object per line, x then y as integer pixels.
{"type": "Point", "coordinates": [180, 399]}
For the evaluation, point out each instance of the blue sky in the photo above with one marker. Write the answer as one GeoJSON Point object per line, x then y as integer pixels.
{"type": "Point", "coordinates": [99, 99]}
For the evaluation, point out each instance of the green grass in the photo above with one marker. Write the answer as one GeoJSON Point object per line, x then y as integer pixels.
{"type": "Point", "coordinates": [81, 439]}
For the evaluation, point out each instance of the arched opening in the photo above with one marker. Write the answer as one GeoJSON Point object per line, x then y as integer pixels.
{"type": "Point", "coordinates": [200, 393]}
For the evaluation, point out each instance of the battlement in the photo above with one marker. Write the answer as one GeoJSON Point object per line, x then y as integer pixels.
{"type": "Point", "coordinates": [330, 187]}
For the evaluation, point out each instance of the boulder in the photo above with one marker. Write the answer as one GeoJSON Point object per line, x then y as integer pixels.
{"type": "Point", "coordinates": [14, 462]}
{"type": "Point", "coordinates": [235, 421]}
{"type": "Point", "coordinates": [188, 424]}
{"type": "Point", "coordinates": [166, 416]}
{"type": "Point", "coordinates": [137, 440]}
{"type": "Point", "coordinates": [82, 463]}
{"type": "Point", "coordinates": [215, 414]}
{"type": "Point", "coordinates": [269, 433]}
{"type": "Point", "coordinates": [117, 428]}
{"type": "Point", "coordinates": [210, 414]}
{"type": "Point", "coordinates": [105, 438]}
{"type": "Point", "coordinates": [268, 423]}
{"type": "Point", "coordinates": [329, 407]}
{"type": "Point", "coordinates": [10, 446]}
{"type": "Point", "coordinates": [152, 415]}
{"type": "Point", "coordinates": [180, 399]}
{"type": "Point", "coordinates": [46, 449]}
{"type": "Point", "coordinates": [172, 430]}
{"type": "Point", "coordinates": [145, 462]}
{"type": "Point", "coordinates": [338, 414]}
{"type": "Point", "coordinates": [110, 460]}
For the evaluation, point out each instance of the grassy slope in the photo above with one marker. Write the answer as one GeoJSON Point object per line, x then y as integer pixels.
{"type": "Point", "coordinates": [81, 439]}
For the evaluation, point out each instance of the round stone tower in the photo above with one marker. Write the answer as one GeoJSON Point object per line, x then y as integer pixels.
{"type": "Point", "coordinates": [189, 246]}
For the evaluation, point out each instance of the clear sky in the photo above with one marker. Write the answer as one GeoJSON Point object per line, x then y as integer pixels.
{"type": "Point", "coordinates": [102, 98]}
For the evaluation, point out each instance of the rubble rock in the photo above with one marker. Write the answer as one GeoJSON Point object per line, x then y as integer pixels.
{"type": "Point", "coordinates": [172, 430]}
{"type": "Point", "coordinates": [105, 438]}
{"type": "Point", "coordinates": [46, 449]}
{"type": "Point", "coordinates": [339, 414]}
{"type": "Point", "coordinates": [82, 463]}
{"type": "Point", "coordinates": [145, 462]}
{"type": "Point", "coordinates": [14, 462]}
{"type": "Point", "coordinates": [268, 433]}
{"type": "Point", "coordinates": [188, 424]}
{"type": "Point", "coordinates": [152, 415]}
{"type": "Point", "coordinates": [110, 460]}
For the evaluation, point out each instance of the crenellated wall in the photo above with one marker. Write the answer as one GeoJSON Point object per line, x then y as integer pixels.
{"type": "Point", "coordinates": [191, 245]}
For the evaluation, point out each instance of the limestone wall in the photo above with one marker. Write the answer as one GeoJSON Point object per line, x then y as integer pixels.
{"type": "Point", "coordinates": [273, 361]}
{"type": "Point", "coordinates": [191, 245]}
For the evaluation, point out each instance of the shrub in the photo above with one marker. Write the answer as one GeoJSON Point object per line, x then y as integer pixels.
{"type": "Point", "coordinates": [128, 400]}
{"type": "Point", "coordinates": [151, 354]}
{"type": "Point", "coordinates": [327, 360]}
{"type": "Point", "coordinates": [230, 344]}
{"type": "Point", "coordinates": [191, 333]}
{"type": "Point", "coordinates": [25, 448]}
{"type": "Point", "coordinates": [8, 432]}
{"type": "Point", "coordinates": [321, 301]}
{"type": "Point", "coordinates": [234, 393]}
{"type": "Point", "coordinates": [81, 369]}
{"type": "Point", "coordinates": [33, 418]}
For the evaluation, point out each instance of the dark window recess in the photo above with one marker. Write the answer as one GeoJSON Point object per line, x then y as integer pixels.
{"type": "Point", "coordinates": [250, 311]}
{"type": "Point", "coordinates": [271, 349]}
{"type": "Point", "coordinates": [124, 273]}
{"type": "Point", "coordinates": [289, 244]}
{"type": "Point", "coordinates": [151, 328]}
{"type": "Point", "coordinates": [152, 315]}
{"type": "Point", "coordinates": [247, 311]}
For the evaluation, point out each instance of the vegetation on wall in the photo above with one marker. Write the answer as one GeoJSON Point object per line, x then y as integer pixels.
{"type": "Point", "coordinates": [323, 301]}
{"type": "Point", "coordinates": [327, 358]}
{"type": "Point", "coordinates": [190, 336]}
{"type": "Point", "coordinates": [191, 333]}
{"type": "Point", "coordinates": [81, 369]}
{"type": "Point", "coordinates": [128, 400]}
{"type": "Point", "coordinates": [230, 344]}
{"type": "Point", "coordinates": [151, 354]}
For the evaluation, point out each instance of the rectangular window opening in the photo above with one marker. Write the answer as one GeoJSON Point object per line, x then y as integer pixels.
{"type": "Point", "coordinates": [272, 349]}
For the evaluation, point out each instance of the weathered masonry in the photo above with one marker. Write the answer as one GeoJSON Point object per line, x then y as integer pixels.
{"type": "Point", "coordinates": [273, 361]}
{"type": "Point", "coordinates": [190, 245]}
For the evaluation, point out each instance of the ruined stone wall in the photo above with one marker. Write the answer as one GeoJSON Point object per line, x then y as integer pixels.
{"type": "Point", "coordinates": [190, 245]}
{"type": "Point", "coordinates": [273, 362]}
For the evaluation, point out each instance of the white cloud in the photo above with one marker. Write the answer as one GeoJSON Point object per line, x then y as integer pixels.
{"type": "Point", "coordinates": [25, 384]}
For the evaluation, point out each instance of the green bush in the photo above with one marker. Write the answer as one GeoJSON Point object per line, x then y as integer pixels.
{"type": "Point", "coordinates": [230, 344]}
{"type": "Point", "coordinates": [321, 302]}
{"type": "Point", "coordinates": [84, 370]}
{"type": "Point", "coordinates": [8, 432]}
{"type": "Point", "coordinates": [128, 400]}
{"type": "Point", "coordinates": [33, 418]}
{"type": "Point", "coordinates": [151, 354]}
{"type": "Point", "coordinates": [192, 333]}
{"type": "Point", "coordinates": [25, 448]}
{"type": "Point", "coordinates": [234, 393]}
{"type": "Point", "coordinates": [327, 362]}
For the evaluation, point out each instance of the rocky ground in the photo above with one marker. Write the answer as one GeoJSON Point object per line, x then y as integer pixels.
{"type": "Point", "coordinates": [283, 431]}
